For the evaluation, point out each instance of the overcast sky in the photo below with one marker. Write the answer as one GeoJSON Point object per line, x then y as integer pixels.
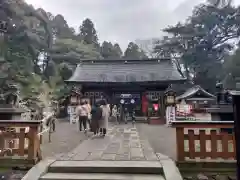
{"type": "Point", "coordinates": [121, 21]}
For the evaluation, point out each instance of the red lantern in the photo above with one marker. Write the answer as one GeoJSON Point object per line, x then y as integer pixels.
{"type": "Point", "coordinates": [155, 107]}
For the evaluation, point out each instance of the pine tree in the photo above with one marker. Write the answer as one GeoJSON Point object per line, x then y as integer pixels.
{"type": "Point", "coordinates": [88, 33]}
{"type": "Point", "coordinates": [134, 52]}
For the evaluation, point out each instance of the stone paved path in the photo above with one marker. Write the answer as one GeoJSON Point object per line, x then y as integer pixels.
{"type": "Point", "coordinates": [121, 143]}
{"type": "Point", "coordinates": [161, 138]}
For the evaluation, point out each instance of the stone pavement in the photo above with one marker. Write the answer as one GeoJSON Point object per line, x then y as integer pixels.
{"type": "Point", "coordinates": [122, 143]}
{"type": "Point", "coordinates": [65, 139]}
{"type": "Point", "coordinates": [161, 138]}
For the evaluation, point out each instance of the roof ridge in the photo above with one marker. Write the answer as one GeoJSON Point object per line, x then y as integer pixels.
{"type": "Point", "coordinates": [102, 61]}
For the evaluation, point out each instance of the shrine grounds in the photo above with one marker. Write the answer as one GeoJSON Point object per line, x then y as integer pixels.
{"type": "Point", "coordinates": [162, 139]}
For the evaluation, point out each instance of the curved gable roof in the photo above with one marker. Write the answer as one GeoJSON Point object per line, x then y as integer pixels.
{"type": "Point", "coordinates": [192, 91]}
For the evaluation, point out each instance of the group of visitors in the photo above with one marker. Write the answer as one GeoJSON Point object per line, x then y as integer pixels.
{"type": "Point", "coordinates": [125, 112]}
{"type": "Point", "coordinates": [96, 117]}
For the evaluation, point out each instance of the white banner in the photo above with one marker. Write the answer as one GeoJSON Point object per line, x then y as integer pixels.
{"type": "Point", "coordinates": [72, 114]}
{"type": "Point", "coordinates": [170, 114]}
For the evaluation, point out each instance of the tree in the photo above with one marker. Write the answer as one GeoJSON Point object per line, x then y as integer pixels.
{"type": "Point", "coordinates": [201, 43]}
{"type": "Point", "coordinates": [88, 33]}
{"type": "Point", "coordinates": [117, 50]}
{"type": "Point", "coordinates": [72, 51]}
{"type": "Point", "coordinates": [28, 34]}
{"type": "Point", "coordinates": [61, 28]}
{"type": "Point", "coordinates": [134, 52]}
{"type": "Point", "coordinates": [232, 70]}
{"type": "Point", "coordinates": [147, 45]}
{"type": "Point", "coordinates": [23, 39]}
{"type": "Point", "coordinates": [108, 51]}
{"type": "Point", "coordinates": [171, 48]}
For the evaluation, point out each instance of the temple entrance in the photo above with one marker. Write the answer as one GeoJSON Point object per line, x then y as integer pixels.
{"type": "Point", "coordinates": [127, 100]}
{"type": "Point", "coordinates": [144, 103]}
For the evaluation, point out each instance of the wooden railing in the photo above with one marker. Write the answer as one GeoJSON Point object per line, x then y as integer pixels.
{"type": "Point", "coordinates": [204, 140]}
{"type": "Point", "coordinates": [19, 143]}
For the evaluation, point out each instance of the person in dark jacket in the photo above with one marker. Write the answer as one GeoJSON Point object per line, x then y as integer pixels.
{"type": "Point", "coordinates": [96, 117]}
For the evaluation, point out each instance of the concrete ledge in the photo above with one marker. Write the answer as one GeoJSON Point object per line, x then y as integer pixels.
{"type": "Point", "coordinates": [38, 170]}
{"type": "Point", "coordinates": [214, 166]}
{"type": "Point", "coordinates": [170, 170]}
{"type": "Point", "coordinates": [133, 167]}
{"type": "Point", "coordinates": [100, 176]}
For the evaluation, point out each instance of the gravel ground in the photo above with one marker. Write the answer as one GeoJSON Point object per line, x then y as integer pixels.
{"type": "Point", "coordinates": [161, 138]}
{"type": "Point", "coordinates": [201, 176]}
{"type": "Point", "coordinates": [11, 175]}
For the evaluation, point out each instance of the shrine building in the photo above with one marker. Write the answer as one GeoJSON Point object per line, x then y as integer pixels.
{"type": "Point", "coordinates": [138, 82]}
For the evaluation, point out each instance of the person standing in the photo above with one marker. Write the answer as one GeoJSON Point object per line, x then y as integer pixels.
{"type": "Point", "coordinates": [103, 123]}
{"type": "Point", "coordinates": [114, 113]}
{"type": "Point", "coordinates": [96, 117]}
{"type": "Point", "coordinates": [89, 113]}
{"type": "Point", "coordinates": [82, 112]}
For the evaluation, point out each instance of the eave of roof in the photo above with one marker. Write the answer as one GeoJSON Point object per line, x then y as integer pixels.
{"type": "Point", "coordinates": [201, 99]}
{"type": "Point", "coordinates": [190, 92]}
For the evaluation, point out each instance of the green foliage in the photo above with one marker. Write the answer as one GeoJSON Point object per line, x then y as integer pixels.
{"type": "Point", "coordinates": [199, 45]}
{"type": "Point", "coordinates": [88, 33]}
{"type": "Point", "coordinates": [231, 69]}
{"type": "Point", "coordinates": [109, 51]}
{"type": "Point", "coordinates": [134, 52]}
{"type": "Point", "coordinates": [202, 42]}
{"type": "Point", "coordinates": [30, 33]}
{"type": "Point", "coordinates": [72, 51]}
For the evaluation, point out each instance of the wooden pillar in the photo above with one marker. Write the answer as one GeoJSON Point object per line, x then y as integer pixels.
{"type": "Point", "coordinates": [163, 108]}
{"type": "Point", "coordinates": [236, 111]}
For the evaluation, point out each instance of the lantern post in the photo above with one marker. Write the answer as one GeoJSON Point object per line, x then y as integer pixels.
{"type": "Point", "coordinates": [74, 101]}
{"type": "Point", "coordinates": [170, 102]}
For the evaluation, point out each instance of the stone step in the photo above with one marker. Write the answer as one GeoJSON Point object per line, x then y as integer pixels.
{"type": "Point", "coordinates": [131, 167]}
{"type": "Point", "coordinates": [99, 176]}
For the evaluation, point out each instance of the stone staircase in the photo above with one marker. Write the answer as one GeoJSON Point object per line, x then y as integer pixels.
{"type": "Point", "coordinates": [121, 155]}
{"type": "Point", "coordinates": [104, 170]}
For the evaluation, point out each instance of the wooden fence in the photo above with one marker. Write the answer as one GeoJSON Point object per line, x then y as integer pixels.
{"type": "Point", "coordinates": [19, 143]}
{"type": "Point", "coordinates": [204, 140]}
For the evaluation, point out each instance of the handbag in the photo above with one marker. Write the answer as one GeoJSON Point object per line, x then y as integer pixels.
{"type": "Point", "coordinates": [89, 116]}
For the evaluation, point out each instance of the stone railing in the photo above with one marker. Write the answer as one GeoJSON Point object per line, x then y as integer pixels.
{"type": "Point", "coordinates": [19, 143]}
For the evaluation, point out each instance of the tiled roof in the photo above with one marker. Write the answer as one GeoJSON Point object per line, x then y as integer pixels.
{"type": "Point", "coordinates": [112, 71]}
{"type": "Point", "coordinates": [191, 91]}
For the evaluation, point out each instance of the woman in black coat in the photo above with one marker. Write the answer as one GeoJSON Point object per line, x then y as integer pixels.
{"type": "Point", "coordinates": [96, 117]}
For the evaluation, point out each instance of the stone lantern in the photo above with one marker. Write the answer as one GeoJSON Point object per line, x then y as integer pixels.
{"type": "Point", "coordinates": [8, 105]}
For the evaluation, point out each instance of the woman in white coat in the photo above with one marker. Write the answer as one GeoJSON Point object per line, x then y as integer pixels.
{"type": "Point", "coordinates": [103, 123]}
